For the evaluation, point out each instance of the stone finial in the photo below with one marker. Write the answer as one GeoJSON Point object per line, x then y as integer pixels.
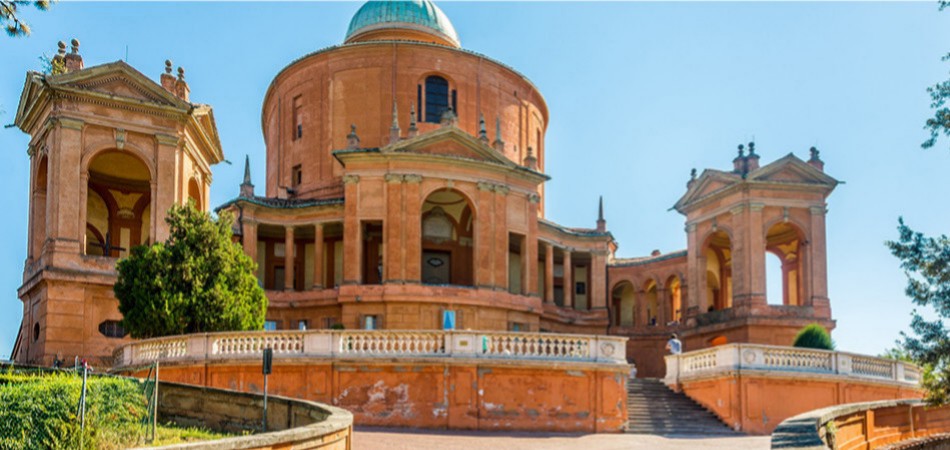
{"type": "Point", "coordinates": [738, 163]}
{"type": "Point", "coordinates": [655, 253]}
{"type": "Point", "coordinates": [752, 161]}
{"type": "Point", "coordinates": [814, 160]}
{"type": "Point", "coordinates": [413, 130]}
{"type": "Point", "coordinates": [247, 188]}
{"type": "Point", "coordinates": [530, 161]}
{"type": "Point", "coordinates": [448, 119]}
{"type": "Point", "coordinates": [167, 80]}
{"type": "Point", "coordinates": [601, 222]}
{"type": "Point", "coordinates": [352, 140]}
{"type": "Point", "coordinates": [181, 86]}
{"type": "Point", "coordinates": [394, 130]}
{"type": "Point", "coordinates": [61, 48]}
{"type": "Point", "coordinates": [499, 144]}
{"type": "Point", "coordinates": [482, 132]}
{"type": "Point", "coordinates": [73, 60]}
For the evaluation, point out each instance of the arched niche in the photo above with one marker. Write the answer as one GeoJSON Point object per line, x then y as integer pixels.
{"type": "Point", "coordinates": [118, 204]}
{"type": "Point", "coordinates": [783, 241]}
{"type": "Point", "coordinates": [623, 299]}
{"type": "Point", "coordinates": [717, 252]}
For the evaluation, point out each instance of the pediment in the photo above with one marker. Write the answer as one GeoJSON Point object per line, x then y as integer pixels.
{"type": "Point", "coordinates": [710, 182]}
{"type": "Point", "coordinates": [791, 169]}
{"type": "Point", "coordinates": [450, 142]}
{"type": "Point", "coordinates": [117, 80]}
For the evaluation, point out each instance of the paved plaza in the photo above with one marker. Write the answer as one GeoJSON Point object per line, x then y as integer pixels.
{"type": "Point", "coordinates": [391, 439]}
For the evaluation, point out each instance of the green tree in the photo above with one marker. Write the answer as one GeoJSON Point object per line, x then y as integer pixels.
{"type": "Point", "coordinates": [10, 15]}
{"type": "Point", "coordinates": [197, 281]}
{"type": "Point", "coordinates": [814, 336]}
{"type": "Point", "coordinates": [926, 262]}
{"type": "Point", "coordinates": [939, 98]}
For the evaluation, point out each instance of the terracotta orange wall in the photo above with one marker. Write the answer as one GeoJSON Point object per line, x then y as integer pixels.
{"type": "Point", "coordinates": [758, 403]}
{"type": "Point", "coordinates": [884, 426]}
{"type": "Point", "coordinates": [356, 84]}
{"type": "Point", "coordinates": [439, 395]}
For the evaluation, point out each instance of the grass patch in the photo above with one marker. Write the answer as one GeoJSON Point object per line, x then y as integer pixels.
{"type": "Point", "coordinates": [170, 434]}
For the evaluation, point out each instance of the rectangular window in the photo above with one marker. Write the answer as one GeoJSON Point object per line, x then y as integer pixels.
{"type": "Point", "coordinates": [296, 176]}
{"type": "Point", "coordinates": [371, 322]}
{"type": "Point", "coordinates": [298, 117]}
{"type": "Point", "coordinates": [517, 326]}
{"type": "Point", "coordinates": [419, 115]}
{"type": "Point", "coordinates": [302, 325]}
{"type": "Point", "coordinates": [448, 319]}
{"type": "Point", "coordinates": [270, 325]}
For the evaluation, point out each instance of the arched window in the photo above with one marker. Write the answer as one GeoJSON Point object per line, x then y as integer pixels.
{"type": "Point", "coordinates": [39, 208]}
{"type": "Point", "coordinates": [784, 264]}
{"type": "Point", "coordinates": [437, 98]}
{"type": "Point", "coordinates": [624, 300]}
{"type": "Point", "coordinates": [718, 255]}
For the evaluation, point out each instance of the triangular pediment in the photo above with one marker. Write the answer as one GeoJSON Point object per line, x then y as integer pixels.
{"type": "Point", "coordinates": [791, 169]}
{"type": "Point", "coordinates": [709, 183]}
{"type": "Point", "coordinates": [449, 141]}
{"type": "Point", "coordinates": [117, 80]}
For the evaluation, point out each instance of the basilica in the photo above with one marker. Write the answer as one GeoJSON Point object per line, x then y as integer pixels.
{"type": "Point", "coordinates": [404, 190]}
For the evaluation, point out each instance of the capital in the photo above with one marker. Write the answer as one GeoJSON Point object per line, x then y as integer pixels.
{"type": "Point", "coordinates": [351, 179]}
{"type": "Point", "coordinates": [165, 139]}
{"type": "Point", "coordinates": [70, 124]}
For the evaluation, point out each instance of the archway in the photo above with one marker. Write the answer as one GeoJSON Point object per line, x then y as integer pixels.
{"type": "Point", "coordinates": [652, 303]}
{"type": "Point", "coordinates": [623, 299]}
{"type": "Point", "coordinates": [783, 241]}
{"type": "Point", "coordinates": [718, 255]}
{"type": "Point", "coordinates": [118, 204]}
{"type": "Point", "coordinates": [194, 193]}
{"type": "Point", "coordinates": [674, 289]}
{"type": "Point", "coordinates": [448, 223]}
{"type": "Point", "coordinates": [38, 227]}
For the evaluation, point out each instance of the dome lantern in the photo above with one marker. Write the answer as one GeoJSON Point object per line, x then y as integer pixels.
{"type": "Point", "coordinates": [413, 20]}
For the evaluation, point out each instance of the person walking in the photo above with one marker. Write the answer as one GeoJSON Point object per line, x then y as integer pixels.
{"type": "Point", "coordinates": [674, 346]}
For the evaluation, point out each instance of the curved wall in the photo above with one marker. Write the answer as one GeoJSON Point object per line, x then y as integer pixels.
{"type": "Point", "coordinates": [327, 91]}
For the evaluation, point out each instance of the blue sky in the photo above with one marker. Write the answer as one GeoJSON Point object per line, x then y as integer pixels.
{"type": "Point", "coordinates": [639, 93]}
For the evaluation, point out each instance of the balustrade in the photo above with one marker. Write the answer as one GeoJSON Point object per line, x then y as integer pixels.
{"type": "Point", "coordinates": [374, 344]}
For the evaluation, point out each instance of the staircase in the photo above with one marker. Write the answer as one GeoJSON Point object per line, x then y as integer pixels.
{"type": "Point", "coordinates": [653, 408]}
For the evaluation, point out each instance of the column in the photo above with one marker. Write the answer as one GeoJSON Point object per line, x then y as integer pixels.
{"type": "Point", "coordinates": [530, 270]}
{"type": "Point", "coordinates": [352, 260]}
{"type": "Point", "coordinates": [249, 242]}
{"type": "Point", "coordinates": [694, 274]}
{"type": "Point", "coordinates": [318, 256]}
{"type": "Point", "coordinates": [525, 267]}
{"type": "Point", "coordinates": [548, 273]}
{"type": "Point", "coordinates": [392, 234]}
{"type": "Point", "coordinates": [817, 274]}
{"type": "Point", "coordinates": [166, 185]}
{"type": "Point", "coordinates": [412, 228]}
{"type": "Point", "coordinates": [597, 294]}
{"type": "Point", "coordinates": [289, 258]}
{"type": "Point", "coordinates": [500, 239]}
{"type": "Point", "coordinates": [756, 256]}
{"type": "Point", "coordinates": [568, 280]}
{"type": "Point", "coordinates": [484, 275]}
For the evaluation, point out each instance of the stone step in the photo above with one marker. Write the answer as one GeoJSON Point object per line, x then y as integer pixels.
{"type": "Point", "coordinates": [653, 408]}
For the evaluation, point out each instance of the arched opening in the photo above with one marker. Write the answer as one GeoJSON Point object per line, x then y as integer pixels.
{"type": "Point", "coordinates": [652, 303]}
{"type": "Point", "coordinates": [623, 300]}
{"type": "Point", "coordinates": [38, 227]}
{"type": "Point", "coordinates": [783, 244]}
{"type": "Point", "coordinates": [194, 194]}
{"type": "Point", "coordinates": [718, 254]}
{"type": "Point", "coordinates": [447, 228]}
{"type": "Point", "coordinates": [118, 204]}
{"type": "Point", "coordinates": [437, 98]}
{"type": "Point", "coordinates": [674, 289]}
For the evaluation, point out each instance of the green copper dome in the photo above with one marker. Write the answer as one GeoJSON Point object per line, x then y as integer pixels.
{"type": "Point", "coordinates": [417, 15]}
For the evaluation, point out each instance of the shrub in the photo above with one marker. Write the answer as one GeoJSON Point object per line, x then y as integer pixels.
{"type": "Point", "coordinates": [814, 336]}
{"type": "Point", "coordinates": [41, 412]}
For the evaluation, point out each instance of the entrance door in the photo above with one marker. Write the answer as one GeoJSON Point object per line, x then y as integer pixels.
{"type": "Point", "coordinates": [436, 267]}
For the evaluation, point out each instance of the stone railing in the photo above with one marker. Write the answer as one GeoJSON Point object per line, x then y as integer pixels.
{"type": "Point", "coordinates": [890, 424]}
{"type": "Point", "coordinates": [374, 344]}
{"type": "Point", "coordinates": [767, 358]}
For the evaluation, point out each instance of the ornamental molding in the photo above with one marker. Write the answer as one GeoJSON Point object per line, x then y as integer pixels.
{"type": "Point", "coordinates": [167, 139]}
{"type": "Point", "coordinates": [70, 124]}
{"type": "Point", "coordinates": [534, 198]}
{"type": "Point", "coordinates": [351, 179]}
{"type": "Point", "coordinates": [818, 210]}
{"type": "Point", "coordinates": [756, 207]}
{"type": "Point", "coordinates": [736, 210]}
{"type": "Point", "coordinates": [402, 178]}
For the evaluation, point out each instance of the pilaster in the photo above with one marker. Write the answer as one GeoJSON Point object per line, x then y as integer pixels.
{"type": "Point", "coordinates": [318, 256]}
{"type": "Point", "coordinates": [352, 260]}
{"type": "Point", "coordinates": [289, 258]}
{"type": "Point", "coordinates": [568, 280]}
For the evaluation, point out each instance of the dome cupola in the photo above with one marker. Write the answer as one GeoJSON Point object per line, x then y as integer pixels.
{"type": "Point", "coordinates": [413, 20]}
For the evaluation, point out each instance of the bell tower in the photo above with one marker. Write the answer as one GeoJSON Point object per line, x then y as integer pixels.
{"type": "Point", "coordinates": [110, 151]}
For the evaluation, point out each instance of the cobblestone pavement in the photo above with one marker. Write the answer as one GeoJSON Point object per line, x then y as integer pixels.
{"type": "Point", "coordinates": [388, 439]}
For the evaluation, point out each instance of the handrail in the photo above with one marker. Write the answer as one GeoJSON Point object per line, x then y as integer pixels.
{"type": "Point", "coordinates": [771, 358]}
{"type": "Point", "coordinates": [358, 344]}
